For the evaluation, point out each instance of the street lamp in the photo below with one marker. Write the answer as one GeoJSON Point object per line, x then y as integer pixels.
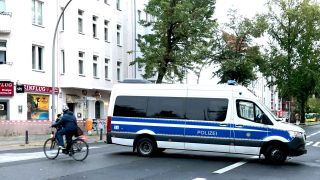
{"type": "Point", "coordinates": [53, 60]}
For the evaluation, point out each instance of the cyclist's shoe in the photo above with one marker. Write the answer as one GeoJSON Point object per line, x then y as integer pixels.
{"type": "Point", "coordinates": [62, 147]}
{"type": "Point", "coordinates": [64, 151]}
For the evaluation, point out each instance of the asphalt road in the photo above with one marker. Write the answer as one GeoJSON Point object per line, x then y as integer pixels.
{"type": "Point", "coordinates": [117, 162]}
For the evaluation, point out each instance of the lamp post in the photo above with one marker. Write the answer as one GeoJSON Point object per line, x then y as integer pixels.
{"type": "Point", "coordinates": [53, 60]}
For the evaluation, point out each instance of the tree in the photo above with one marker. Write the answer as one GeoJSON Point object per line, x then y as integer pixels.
{"type": "Point", "coordinates": [293, 55]}
{"type": "Point", "coordinates": [238, 57]}
{"type": "Point", "coordinates": [181, 38]}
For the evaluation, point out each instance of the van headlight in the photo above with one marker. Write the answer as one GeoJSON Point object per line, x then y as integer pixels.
{"type": "Point", "coordinates": [295, 134]}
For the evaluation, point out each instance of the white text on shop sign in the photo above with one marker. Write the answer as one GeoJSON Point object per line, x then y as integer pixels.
{"type": "Point", "coordinates": [6, 88]}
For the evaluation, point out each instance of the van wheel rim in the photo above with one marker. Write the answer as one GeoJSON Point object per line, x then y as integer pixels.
{"type": "Point", "coordinates": [277, 155]}
{"type": "Point", "coordinates": [145, 147]}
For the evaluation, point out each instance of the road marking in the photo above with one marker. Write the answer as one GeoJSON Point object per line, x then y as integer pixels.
{"type": "Point", "coordinates": [308, 143]}
{"type": "Point", "coordinates": [228, 168]}
{"type": "Point", "coordinates": [316, 144]}
{"type": "Point", "coordinates": [233, 166]}
{"type": "Point", "coordinates": [199, 179]}
{"type": "Point", "coordinates": [313, 134]}
{"type": "Point", "coordinates": [12, 157]}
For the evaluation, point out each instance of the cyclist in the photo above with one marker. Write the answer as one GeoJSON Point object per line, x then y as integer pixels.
{"type": "Point", "coordinates": [69, 127]}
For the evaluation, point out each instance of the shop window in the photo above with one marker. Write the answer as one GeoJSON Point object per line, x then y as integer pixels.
{"type": "Point", "coordinates": [38, 107]}
{"type": "Point", "coordinates": [3, 111]}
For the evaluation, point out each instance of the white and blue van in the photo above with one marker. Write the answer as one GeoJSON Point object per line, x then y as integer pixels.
{"type": "Point", "coordinates": [221, 118]}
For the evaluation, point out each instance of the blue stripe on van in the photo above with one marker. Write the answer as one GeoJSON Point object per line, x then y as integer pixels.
{"type": "Point", "coordinates": [208, 128]}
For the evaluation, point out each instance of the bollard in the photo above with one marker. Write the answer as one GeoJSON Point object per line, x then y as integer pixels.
{"type": "Point", "coordinates": [100, 134]}
{"type": "Point", "coordinates": [27, 138]}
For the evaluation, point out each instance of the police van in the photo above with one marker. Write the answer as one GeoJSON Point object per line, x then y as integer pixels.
{"type": "Point", "coordinates": [220, 118]}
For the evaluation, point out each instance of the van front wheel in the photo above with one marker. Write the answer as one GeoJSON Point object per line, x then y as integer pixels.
{"type": "Point", "coordinates": [146, 147]}
{"type": "Point", "coordinates": [276, 155]}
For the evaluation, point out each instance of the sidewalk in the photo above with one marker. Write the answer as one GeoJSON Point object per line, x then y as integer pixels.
{"type": "Point", "coordinates": [36, 141]}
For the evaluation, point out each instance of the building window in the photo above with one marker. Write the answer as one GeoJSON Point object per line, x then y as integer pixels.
{"type": "Point", "coordinates": [94, 26]}
{"type": "Point", "coordinates": [3, 52]}
{"type": "Point", "coordinates": [118, 70]}
{"type": "Point", "coordinates": [63, 62]}
{"type": "Point", "coordinates": [139, 15]}
{"type": "Point", "coordinates": [2, 6]}
{"type": "Point", "coordinates": [37, 57]}
{"type": "Point", "coordinates": [147, 17]}
{"type": "Point", "coordinates": [118, 35]}
{"type": "Point", "coordinates": [106, 68]}
{"type": "Point", "coordinates": [81, 59]}
{"type": "Point", "coordinates": [80, 21]}
{"type": "Point", "coordinates": [62, 20]}
{"type": "Point", "coordinates": [106, 30]}
{"type": "Point", "coordinates": [118, 5]}
{"type": "Point", "coordinates": [95, 66]}
{"type": "Point", "coordinates": [37, 12]}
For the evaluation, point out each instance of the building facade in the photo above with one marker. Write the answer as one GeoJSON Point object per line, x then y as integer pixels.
{"type": "Point", "coordinates": [91, 54]}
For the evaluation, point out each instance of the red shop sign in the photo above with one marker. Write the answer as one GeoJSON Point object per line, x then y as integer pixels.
{"type": "Point", "coordinates": [39, 89]}
{"type": "Point", "coordinates": [6, 88]}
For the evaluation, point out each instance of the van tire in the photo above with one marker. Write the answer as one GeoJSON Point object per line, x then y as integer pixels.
{"type": "Point", "coordinates": [276, 155]}
{"type": "Point", "coordinates": [146, 147]}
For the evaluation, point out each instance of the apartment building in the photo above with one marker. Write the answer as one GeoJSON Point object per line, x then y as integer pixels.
{"type": "Point", "coordinates": [91, 54]}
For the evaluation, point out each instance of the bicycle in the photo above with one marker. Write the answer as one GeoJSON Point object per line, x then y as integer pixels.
{"type": "Point", "coordinates": [79, 149]}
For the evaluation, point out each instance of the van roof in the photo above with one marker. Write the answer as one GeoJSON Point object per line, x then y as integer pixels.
{"type": "Point", "coordinates": [219, 87]}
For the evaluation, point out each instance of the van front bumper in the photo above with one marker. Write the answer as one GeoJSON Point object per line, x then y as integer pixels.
{"type": "Point", "coordinates": [297, 146]}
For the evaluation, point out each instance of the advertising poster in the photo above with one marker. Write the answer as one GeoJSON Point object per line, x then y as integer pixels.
{"type": "Point", "coordinates": [38, 107]}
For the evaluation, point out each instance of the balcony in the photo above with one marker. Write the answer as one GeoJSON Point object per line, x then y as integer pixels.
{"type": "Point", "coordinates": [5, 19]}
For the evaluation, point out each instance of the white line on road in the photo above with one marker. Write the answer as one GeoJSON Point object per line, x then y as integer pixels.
{"type": "Point", "coordinates": [233, 166]}
{"type": "Point", "coordinates": [316, 144]}
{"type": "Point", "coordinates": [313, 134]}
{"type": "Point", "coordinates": [308, 143]}
{"type": "Point", "coordinates": [12, 157]}
{"type": "Point", "coordinates": [228, 168]}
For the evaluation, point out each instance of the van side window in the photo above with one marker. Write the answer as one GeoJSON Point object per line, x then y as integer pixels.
{"type": "Point", "coordinates": [130, 106]}
{"type": "Point", "coordinates": [207, 109]}
{"type": "Point", "coordinates": [249, 111]}
{"type": "Point", "coordinates": [166, 107]}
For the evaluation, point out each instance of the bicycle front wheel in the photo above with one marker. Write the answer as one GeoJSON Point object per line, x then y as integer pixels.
{"type": "Point", "coordinates": [79, 150]}
{"type": "Point", "coordinates": [51, 148]}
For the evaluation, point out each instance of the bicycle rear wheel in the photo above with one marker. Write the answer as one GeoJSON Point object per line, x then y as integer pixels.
{"type": "Point", "coordinates": [79, 150]}
{"type": "Point", "coordinates": [51, 148]}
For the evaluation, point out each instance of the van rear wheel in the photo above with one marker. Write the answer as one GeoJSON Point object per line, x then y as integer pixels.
{"type": "Point", "coordinates": [276, 155]}
{"type": "Point", "coordinates": [146, 147]}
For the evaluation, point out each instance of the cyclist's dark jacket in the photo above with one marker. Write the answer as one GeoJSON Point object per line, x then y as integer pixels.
{"type": "Point", "coordinates": [68, 122]}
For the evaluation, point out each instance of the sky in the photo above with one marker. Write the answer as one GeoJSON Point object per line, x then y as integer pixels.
{"type": "Point", "coordinates": [246, 8]}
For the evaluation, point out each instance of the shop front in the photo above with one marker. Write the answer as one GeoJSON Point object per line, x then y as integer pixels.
{"type": "Point", "coordinates": [6, 94]}
{"type": "Point", "coordinates": [38, 101]}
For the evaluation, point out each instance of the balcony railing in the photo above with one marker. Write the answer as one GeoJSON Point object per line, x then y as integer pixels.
{"type": "Point", "coordinates": [5, 19]}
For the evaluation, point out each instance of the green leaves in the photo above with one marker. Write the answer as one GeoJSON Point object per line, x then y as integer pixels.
{"type": "Point", "coordinates": [181, 37]}
{"type": "Point", "coordinates": [238, 57]}
{"type": "Point", "coordinates": [293, 55]}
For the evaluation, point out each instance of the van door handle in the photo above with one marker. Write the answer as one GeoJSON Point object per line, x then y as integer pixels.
{"type": "Point", "coordinates": [224, 125]}
{"type": "Point", "coordinates": [239, 125]}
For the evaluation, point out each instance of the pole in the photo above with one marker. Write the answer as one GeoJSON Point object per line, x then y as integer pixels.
{"type": "Point", "coordinates": [53, 61]}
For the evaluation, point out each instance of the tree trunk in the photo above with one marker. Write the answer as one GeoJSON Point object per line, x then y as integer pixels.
{"type": "Point", "coordinates": [302, 111]}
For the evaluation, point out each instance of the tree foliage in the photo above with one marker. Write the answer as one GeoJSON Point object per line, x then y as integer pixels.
{"type": "Point", "coordinates": [181, 37]}
{"type": "Point", "coordinates": [293, 54]}
{"type": "Point", "coordinates": [238, 56]}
